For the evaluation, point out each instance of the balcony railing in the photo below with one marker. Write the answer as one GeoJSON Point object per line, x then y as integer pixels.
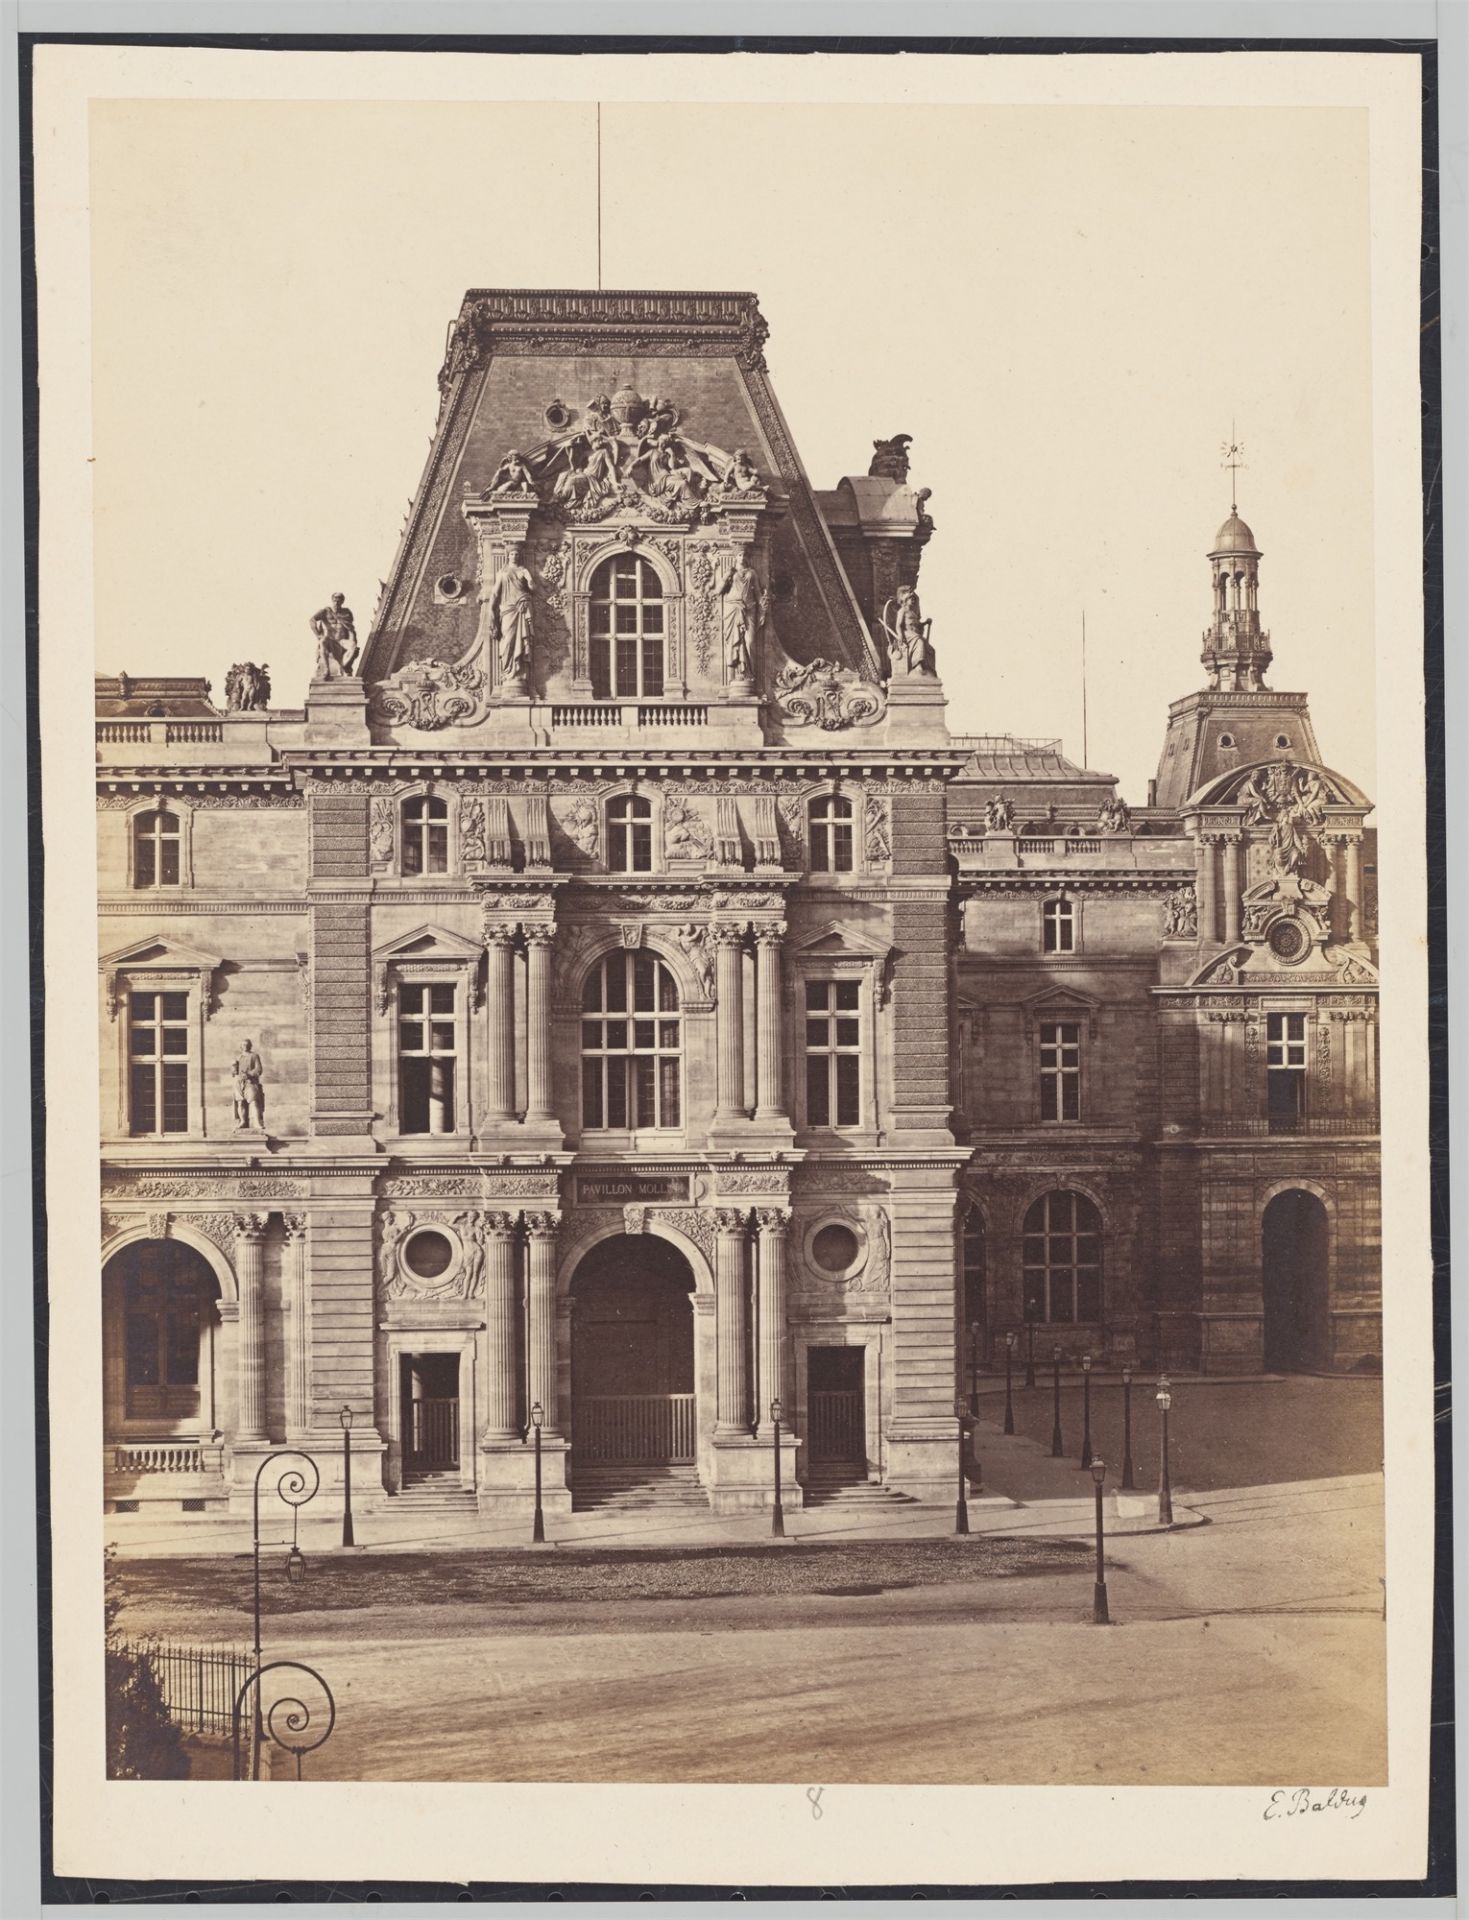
{"type": "Point", "coordinates": [628, 713]}
{"type": "Point", "coordinates": [160, 733]}
{"type": "Point", "coordinates": [1315, 1126]}
{"type": "Point", "coordinates": [159, 1457]}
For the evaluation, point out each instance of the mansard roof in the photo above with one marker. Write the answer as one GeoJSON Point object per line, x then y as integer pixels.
{"type": "Point", "coordinates": [527, 370]}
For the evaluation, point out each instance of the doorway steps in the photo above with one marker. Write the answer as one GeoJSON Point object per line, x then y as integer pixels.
{"type": "Point", "coordinates": [638, 1488]}
{"type": "Point", "coordinates": [847, 1487]}
{"type": "Point", "coordinates": [435, 1493]}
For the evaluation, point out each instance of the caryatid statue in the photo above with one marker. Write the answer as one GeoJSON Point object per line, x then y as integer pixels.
{"type": "Point", "coordinates": [512, 608]}
{"type": "Point", "coordinates": [745, 601]}
{"type": "Point", "coordinates": [249, 1076]}
{"type": "Point", "coordinates": [336, 640]}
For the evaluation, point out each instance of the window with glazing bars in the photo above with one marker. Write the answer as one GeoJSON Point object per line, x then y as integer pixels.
{"type": "Point", "coordinates": [1058, 927]}
{"type": "Point", "coordinates": [627, 630]}
{"type": "Point", "coordinates": [630, 834]}
{"type": "Point", "coordinates": [1285, 1067]}
{"type": "Point", "coordinates": [1061, 1070]}
{"type": "Point", "coordinates": [425, 834]}
{"type": "Point", "coordinates": [426, 1058]}
{"type": "Point", "coordinates": [831, 834]}
{"type": "Point", "coordinates": [1063, 1259]}
{"type": "Point", "coordinates": [158, 1063]}
{"type": "Point", "coordinates": [157, 840]}
{"type": "Point", "coordinates": [833, 1053]}
{"type": "Point", "coordinates": [630, 1068]}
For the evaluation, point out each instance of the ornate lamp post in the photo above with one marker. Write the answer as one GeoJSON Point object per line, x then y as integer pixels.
{"type": "Point", "coordinates": [1100, 1616]}
{"type": "Point", "coordinates": [348, 1538]}
{"type": "Point", "coordinates": [1165, 1489]}
{"type": "Point", "coordinates": [974, 1368]}
{"type": "Point", "coordinates": [1086, 1409]}
{"type": "Point", "coordinates": [1030, 1343]}
{"type": "Point", "coordinates": [777, 1512]}
{"type": "Point", "coordinates": [294, 1488]}
{"type": "Point", "coordinates": [961, 1506]}
{"type": "Point", "coordinates": [1058, 1445]}
{"type": "Point", "coordinates": [1127, 1429]}
{"type": "Point", "coordinates": [538, 1523]}
{"type": "Point", "coordinates": [1009, 1402]}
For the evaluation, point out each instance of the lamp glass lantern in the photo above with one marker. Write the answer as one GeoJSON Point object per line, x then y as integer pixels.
{"type": "Point", "coordinates": [776, 1410]}
{"type": "Point", "coordinates": [1165, 1398]}
{"type": "Point", "coordinates": [295, 1565]}
{"type": "Point", "coordinates": [537, 1416]}
{"type": "Point", "coordinates": [1099, 1469]}
{"type": "Point", "coordinates": [345, 1416]}
{"type": "Point", "coordinates": [1086, 1363]}
{"type": "Point", "coordinates": [1010, 1340]}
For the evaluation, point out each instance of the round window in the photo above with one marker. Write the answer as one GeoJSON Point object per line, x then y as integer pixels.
{"type": "Point", "coordinates": [1282, 739]}
{"type": "Point", "coordinates": [1289, 940]}
{"type": "Point", "coordinates": [834, 1248]}
{"type": "Point", "coordinates": [1226, 739]}
{"type": "Point", "coordinates": [450, 586]}
{"type": "Point", "coordinates": [428, 1255]}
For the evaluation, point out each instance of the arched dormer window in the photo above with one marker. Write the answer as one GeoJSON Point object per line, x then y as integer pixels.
{"type": "Point", "coordinates": [630, 834]}
{"type": "Point", "coordinates": [631, 1056]}
{"type": "Point", "coordinates": [425, 834]}
{"type": "Point", "coordinates": [628, 629]}
{"type": "Point", "coordinates": [157, 849]}
{"type": "Point", "coordinates": [1063, 1259]}
{"type": "Point", "coordinates": [832, 834]}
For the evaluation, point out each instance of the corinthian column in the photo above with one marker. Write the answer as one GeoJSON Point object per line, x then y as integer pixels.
{"type": "Point", "coordinates": [731, 1324]}
{"type": "Point", "coordinates": [502, 1411]}
{"type": "Point", "coordinates": [500, 1008]}
{"type": "Point", "coordinates": [541, 1229]}
{"type": "Point", "coordinates": [538, 941]}
{"type": "Point", "coordinates": [774, 1371]}
{"type": "Point", "coordinates": [729, 1017]}
{"type": "Point", "coordinates": [298, 1335]}
{"type": "Point", "coordinates": [1231, 888]}
{"type": "Point", "coordinates": [249, 1266]}
{"type": "Point", "coordinates": [770, 1093]}
{"type": "Point", "coordinates": [1356, 920]}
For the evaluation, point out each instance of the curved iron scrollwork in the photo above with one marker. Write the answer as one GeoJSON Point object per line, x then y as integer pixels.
{"type": "Point", "coordinates": [287, 1721]}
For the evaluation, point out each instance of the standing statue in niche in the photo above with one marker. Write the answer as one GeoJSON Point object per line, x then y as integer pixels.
{"type": "Point", "coordinates": [336, 640]}
{"type": "Point", "coordinates": [745, 601]}
{"type": "Point", "coordinates": [511, 611]}
{"type": "Point", "coordinates": [249, 1076]}
{"type": "Point", "coordinates": [908, 631]}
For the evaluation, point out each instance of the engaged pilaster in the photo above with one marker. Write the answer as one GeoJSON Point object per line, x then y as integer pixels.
{"type": "Point", "coordinates": [1231, 888]}
{"type": "Point", "coordinates": [298, 1336]}
{"type": "Point", "coordinates": [500, 1020]}
{"type": "Point", "coordinates": [502, 1411]}
{"type": "Point", "coordinates": [541, 1230]}
{"type": "Point", "coordinates": [728, 940]}
{"type": "Point", "coordinates": [250, 1269]}
{"type": "Point", "coordinates": [769, 1079]}
{"type": "Point", "coordinates": [731, 1323]}
{"type": "Point", "coordinates": [774, 1339]}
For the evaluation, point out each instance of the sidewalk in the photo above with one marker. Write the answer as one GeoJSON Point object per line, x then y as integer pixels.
{"type": "Point", "coordinates": [1024, 1491]}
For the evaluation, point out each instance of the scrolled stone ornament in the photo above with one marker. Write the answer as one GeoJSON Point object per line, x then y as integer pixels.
{"type": "Point", "coordinates": [823, 694]}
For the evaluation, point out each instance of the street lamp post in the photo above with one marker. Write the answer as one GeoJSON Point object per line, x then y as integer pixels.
{"type": "Point", "coordinates": [1100, 1616]}
{"type": "Point", "coordinates": [777, 1512]}
{"type": "Point", "coordinates": [974, 1368]}
{"type": "Point", "coordinates": [1127, 1429]}
{"type": "Point", "coordinates": [961, 1507]}
{"type": "Point", "coordinates": [1086, 1409]}
{"type": "Point", "coordinates": [1058, 1445]}
{"type": "Point", "coordinates": [1165, 1489]}
{"type": "Point", "coordinates": [1009, 1402]}
{"type": "Point", "coordinates": [295, 1491]}
{"type": "Point", "coordinates": [348, 1537]}
{"type": "Point", "coordinates": [1029, 1343]}
{"type": "Point", "coordinates": [538, 1523]}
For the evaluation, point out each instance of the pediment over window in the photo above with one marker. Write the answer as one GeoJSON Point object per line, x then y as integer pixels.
{"type": "Point", "coordinates": [162, 959]}
{"type": "Point", "coordinates": [839, 939]}
{"type": "Point", "coordinates": [1062, 1003]}
{"type": "Point", "coordinates": [427, 948]}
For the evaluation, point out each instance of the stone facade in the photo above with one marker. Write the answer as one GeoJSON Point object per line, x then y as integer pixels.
{"type": "Point", "coordinates": [659, 1012]}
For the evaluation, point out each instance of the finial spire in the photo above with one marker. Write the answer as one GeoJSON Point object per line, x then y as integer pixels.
{"type": "Point", "coordinates": [1232, 449]}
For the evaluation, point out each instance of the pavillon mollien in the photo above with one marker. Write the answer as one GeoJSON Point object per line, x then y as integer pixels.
{"type": "Point", "coordinates": [619, 993]}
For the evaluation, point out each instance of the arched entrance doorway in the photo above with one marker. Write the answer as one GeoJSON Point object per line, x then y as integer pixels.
{"type": "Point", "coordinates": [1293, 1277]}
{"type": "Point", "coordinates": [159, 1325]}
{"type": "Point", "coordinates": [632, 1359]}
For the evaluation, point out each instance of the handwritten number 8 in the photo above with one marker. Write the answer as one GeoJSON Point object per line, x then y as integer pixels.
{"type": "Point", "coordinates": [813, 1794]}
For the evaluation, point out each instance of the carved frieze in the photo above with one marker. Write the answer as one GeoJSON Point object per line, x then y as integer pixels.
{"type": "Point", "coordinates": [240, 1187]}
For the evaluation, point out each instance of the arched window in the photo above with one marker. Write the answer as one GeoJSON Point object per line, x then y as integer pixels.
{"type": "Point", "coordinates": [972, 1256]}
{"type": "Point", "coordinates": [167, 1290]}
{"type": "Point", "coordinates": [630, 834]}
{"type": "Point", "coordinates": [630, 1045]}
{"type": "Point", "coordinates": [831, 834]}
{"type": "Point", "coordinates": [1063, 1259]}
{"type": "Point", "coordinates": [156, 845]}
{"type": "Point", "coordinates": [425, 834]}
{"type": "Point", "coordinates": [628, 627]}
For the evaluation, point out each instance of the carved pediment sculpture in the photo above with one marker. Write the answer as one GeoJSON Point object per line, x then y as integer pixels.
{"type": "Point", "coordinates": [823, 694]}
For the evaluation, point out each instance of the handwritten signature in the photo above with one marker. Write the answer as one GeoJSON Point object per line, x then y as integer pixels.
{"type": "Point", "coordinates": [1286, 1802]}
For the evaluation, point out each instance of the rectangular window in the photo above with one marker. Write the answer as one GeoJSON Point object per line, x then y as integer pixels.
{"type": "Point", "coordinates": [1285, 1070]}
{"type": "Point", "coordinates": [158, 1063]}
{"type": "Point", "coordinates": [1061, 1070]}
{"type": "Point", "coordinates": [1058, 927]}
{"type": "Point", "coordinates": [426, 1059]}
{"type": "Point", "coordinates": [833, 1053]}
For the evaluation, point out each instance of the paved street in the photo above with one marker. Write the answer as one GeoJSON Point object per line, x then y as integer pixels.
{"type": "Point", "coordinates": [1246, 1650]}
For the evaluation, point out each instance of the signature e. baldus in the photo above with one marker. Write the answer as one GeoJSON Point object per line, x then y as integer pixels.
{"type": "Point", "coordinates": [1286, 1802]}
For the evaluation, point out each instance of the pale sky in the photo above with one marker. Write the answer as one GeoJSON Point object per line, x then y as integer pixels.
{"type": "Point", "coordinates": [1065, 306]}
